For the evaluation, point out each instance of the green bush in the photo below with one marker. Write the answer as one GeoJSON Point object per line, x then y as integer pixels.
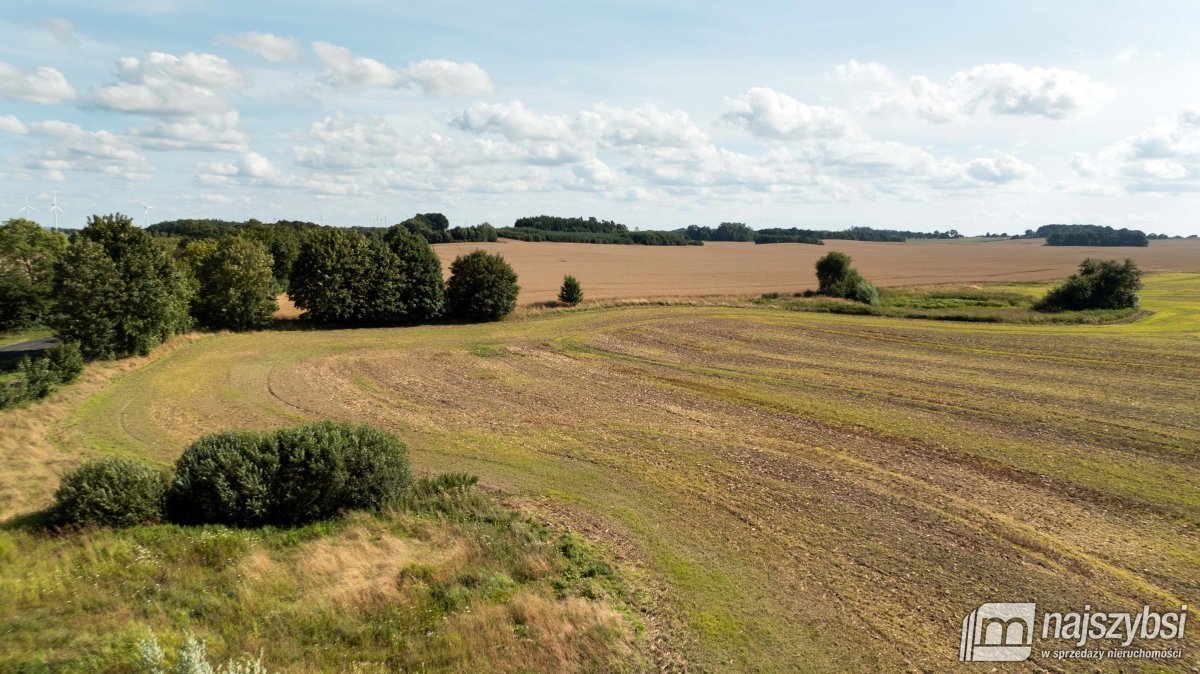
{"type": "Point", "coordinates": [482, 287]}
{"type": "Point", "coordinates": [831, 271]}
{"type": "Point", "coordinates": [111, 491]}
{"type": "Point", "coordinates": [225, 478]}
{"type": "Point", "coordinates": [571, 291]}
{"type": "Point", "coordinates": [1100, 284]}
{"type": "Point", "coordinates": [67, 361]}
{"type": "Point", "coordinates": [836, 278]}
{"type": "Point", "coordinates": [293, 476]}
{"type": "Point", "coordinates": [39, 377]}
{"type": "Point", "coordinates": [236, 286]}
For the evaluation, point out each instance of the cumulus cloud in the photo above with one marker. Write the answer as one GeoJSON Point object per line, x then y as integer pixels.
{"type": "Point", "coordinates": [44, 86]}
{"type": "Point", "coordinates": [217, 131]}
{"type": "Point", "coordinates": [165, 84]}
{"type": "Point", "coordinates": [10, 124]}
{"type": "Point", "coordinates": [343, 70]}
{"type": "Point", "coordinates": [1001, 169]}
{"type": "Point", "coordinates": [270, 47]}
{"type": "Point", "coordinates": [76, 149]}
{"type": "Point", "coordinates": [604, 125]}
{"type": "Point", "coordinates": [1164, 157]}
{"type": "Point", "coordinates": [447, 78]}
{"type": "Point", "coordinates": [772, 114]}
{"type": "Point", "coordinates": [1001, 88]}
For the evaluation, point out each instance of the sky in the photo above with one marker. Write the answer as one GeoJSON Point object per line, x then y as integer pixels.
{"type": "Point", "coordinates": [981, 117]}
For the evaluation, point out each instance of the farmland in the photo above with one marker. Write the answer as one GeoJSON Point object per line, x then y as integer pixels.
{"type": "Point", "coordinates": [717, 268]}
{"type": "Point", "coordinates": [784, 487]}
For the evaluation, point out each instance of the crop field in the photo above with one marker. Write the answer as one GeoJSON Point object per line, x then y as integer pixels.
{"type": "Point", "coordinates": [613, 271]}
{"type": "Point", "coordinates": [787, 487]}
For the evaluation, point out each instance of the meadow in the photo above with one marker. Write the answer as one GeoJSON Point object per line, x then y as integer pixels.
{"type": "Point", "coordinates": [779, 489]}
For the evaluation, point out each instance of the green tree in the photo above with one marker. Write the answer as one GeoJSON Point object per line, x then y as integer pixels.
{"type": "Point", "coordinates": [571, 291]}
{"type": "Point", "coordinates": [1100, 284]}
{"type": "Point", "coordinates": [424, 294]}
{"type": "Point", "coordinates": [88, 293]}
{"type": "Point", "coordinates": [482, 287]}
{"type": "Point", "coordinates": [832, 270]}
{"type": "Point", "coordinates": [28, 255]}
{"type": "Point", "coordinates": [154, 289]}
{"type": "Point", "coordinates": [236, 287]}
{"type": "Point", "coordinates": [342, 277]}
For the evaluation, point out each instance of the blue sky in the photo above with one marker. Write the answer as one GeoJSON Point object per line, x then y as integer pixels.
{"type": "Point", "coordinates": [919, 115]}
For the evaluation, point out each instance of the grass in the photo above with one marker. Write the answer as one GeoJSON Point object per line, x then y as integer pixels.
{"type": "Point", "coordinates": [986, 303]}
{"type": "Point", "coordinates": [18, 336]}
{"type": "Point", "coordinates": [451, 584]}
{"type": "Point", "coordinates": [789, 490]}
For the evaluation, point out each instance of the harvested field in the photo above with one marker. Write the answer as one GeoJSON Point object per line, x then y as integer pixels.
{"type": "Point", "coordinates": [797, 489]}
{"type": "Point", "coordinates": [613, 271]}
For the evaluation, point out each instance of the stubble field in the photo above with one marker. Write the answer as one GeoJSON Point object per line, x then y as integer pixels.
{"type": "Point", "coordinates": [791, 490]}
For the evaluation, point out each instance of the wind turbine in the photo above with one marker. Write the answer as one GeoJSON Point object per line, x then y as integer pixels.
{"type": "Point", "coordinates": [56, 209]}
{"type": "Point", "coordinates": [27, 208]}
{"type": "Point", "coordinates": [146, 213]}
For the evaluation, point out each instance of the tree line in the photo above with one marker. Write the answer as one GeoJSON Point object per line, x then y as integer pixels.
{"type": "Point", "coordinates": [116, 290]}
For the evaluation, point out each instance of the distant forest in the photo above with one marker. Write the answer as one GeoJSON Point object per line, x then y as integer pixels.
{"type": "Point", "coordinates": [737, 231]}
{"type": "Point", "coordinates": [588, 230]}
{"type": "Point", "coordinates": [1091, 235]}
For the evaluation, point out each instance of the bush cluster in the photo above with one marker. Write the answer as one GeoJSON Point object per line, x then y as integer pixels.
{"type": "Point", "coordinates": [836, 278]}
{"type": "Point", "coordinates": [39, 377]}
{"type": "Point", "coordinates": [290, 477]}
{"type": "Point", "coordinates": [1100, 284]}
{"type": "Point", "coordinates": [111, 491]}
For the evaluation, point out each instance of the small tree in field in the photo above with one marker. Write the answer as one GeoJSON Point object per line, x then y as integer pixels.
{"type": "Point", "coordinates": [832, 270]}
{"type": "Point", "coordinates": [836, 278]}
{"type": "Point", "coordinates": [571, 292]}
{"type": "Point", "coordinates": [1100, 284]}
{"type": "Point", "coordinates": [482, 287]}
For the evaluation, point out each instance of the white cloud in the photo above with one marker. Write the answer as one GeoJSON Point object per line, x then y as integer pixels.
{"type": "Point", "coordinates": [45, 86]}
{"type": "Point", "coordinates": [344, 70]}
{"type": "Point", "coordinates": [1001, 169]}
{"type": "Point", "coordinates": [164, 84]}
{"type": "Point", "coordinates": [1164, 157]}
{"type": "Point", "coordinates": [76, 149]}
{"type": "Point", "coordinates": [10, 124]}
{"type": "Point", "coordinates": [513, 121]}
{"type": "Point", "coordinates": [1003, 89]}
{"type": "Point", "coordinates": [772, 114]}
{"type": "Point", "coordinates": [217, 131]}
{"type": "Point", "coordinates": [604, 125]}
{"type": "Point", "coordinates": [1007, 88]}
{"type": "Point", "coordinates": [447, 78]}
{"type": "Point", "coordinates": [270, 47]}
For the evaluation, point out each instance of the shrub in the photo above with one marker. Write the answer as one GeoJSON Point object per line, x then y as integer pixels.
{"type": "Point", "coordinates": [832, 270]}
{"type": "Point", "coordinates": [41, 376]}
{"type": "Point", "coordinates": [836, 278]}
{"type": "Point", "coordinates": [111, 491]}
{"type": "Point", "coordinates": [1100, 284]}
{"type": "Point", "coordinates": [482, 287]}
{"type": "Point", "coordinates": [224, 478]}
{"type": "Point", "coordinates": [67, 361]}
{"type": "Point", "coordinates": [293, 476]}
{"type": "Point", "coordinates": [571, 292]}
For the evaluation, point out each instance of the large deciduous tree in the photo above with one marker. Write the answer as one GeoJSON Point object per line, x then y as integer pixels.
{"type": "Point", "coordinates": [342, 277]}
{"type": "Point", "coordinates": [28, 254]}
{"type": "Point", "coordinates": [151, 292]}
{"type": "Point", "coordinates": [236, 286]}
{"type": "Point", "coordinates": [482, 287]}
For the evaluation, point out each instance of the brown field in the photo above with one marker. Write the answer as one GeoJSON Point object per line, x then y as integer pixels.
{"type": "Point", "coordinates": [611, 271]}
{"type": "Point", "coordinates": [626, 272]}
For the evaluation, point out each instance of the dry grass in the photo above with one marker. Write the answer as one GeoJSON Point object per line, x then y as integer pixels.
{"type": "Point", "coordinates": [832, 492]}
